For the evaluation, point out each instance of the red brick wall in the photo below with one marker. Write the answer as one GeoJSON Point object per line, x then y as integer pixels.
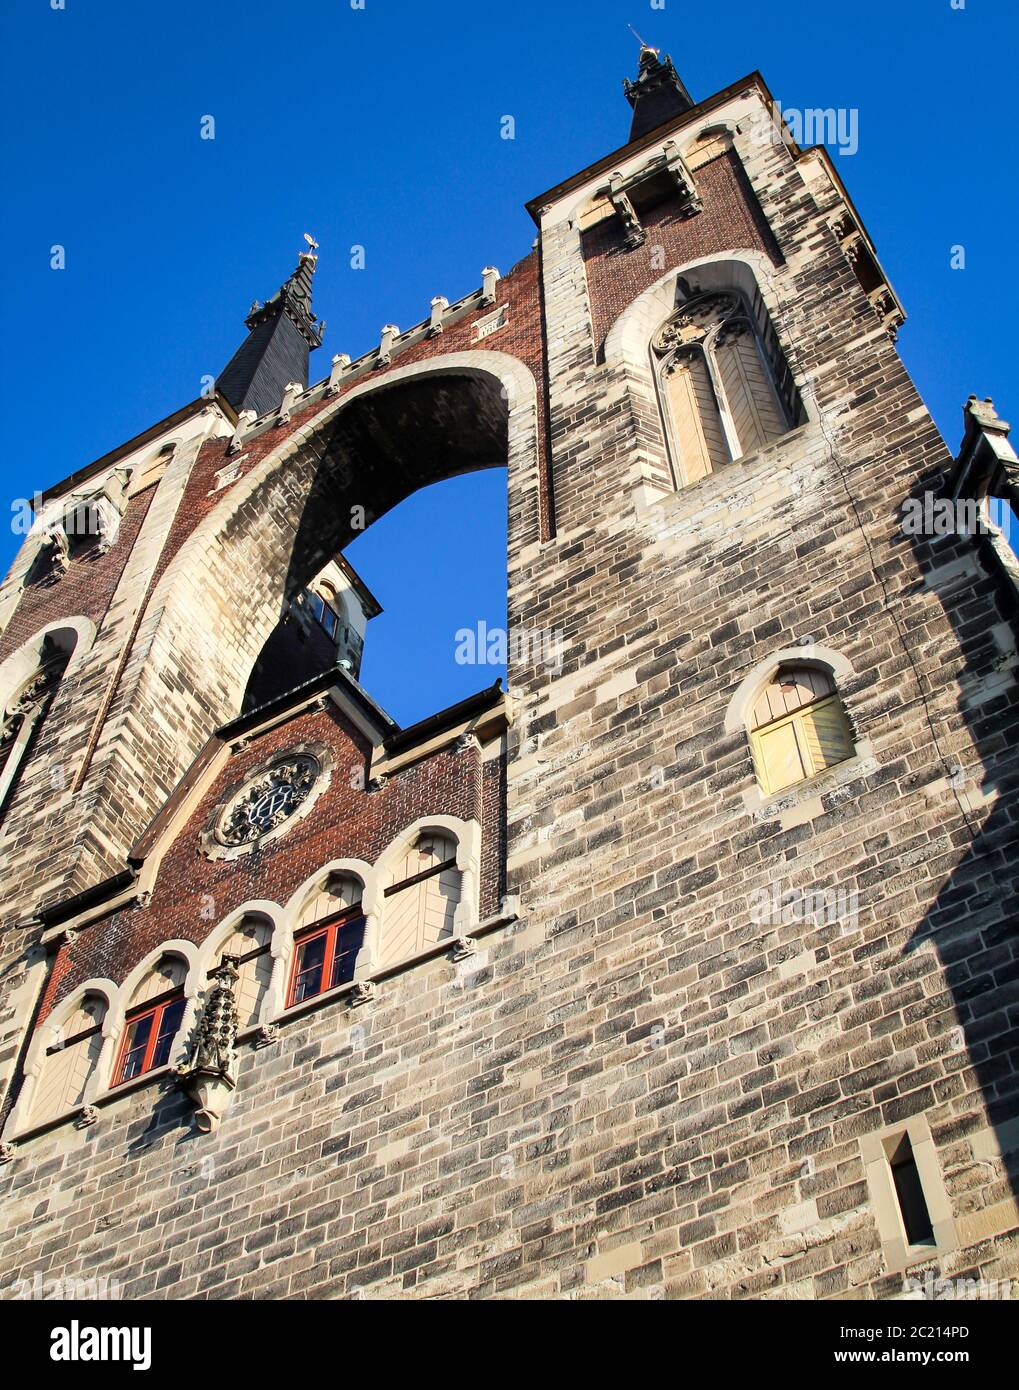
{"type": "Point", "coordinates": [193, 894]}
{"type": "Point", "coordinates": [85, 590]}
{"type": "Point", "coordinates": [731, 217]}
{"type": "Point", "coordinates": [522, 338]}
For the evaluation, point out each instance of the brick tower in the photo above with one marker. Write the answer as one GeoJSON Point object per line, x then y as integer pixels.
{"type": "Point", "coordinates": [687, 965]}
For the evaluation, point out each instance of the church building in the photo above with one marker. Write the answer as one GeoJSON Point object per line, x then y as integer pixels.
{"type": "Point", "coordinates": [683, 967]}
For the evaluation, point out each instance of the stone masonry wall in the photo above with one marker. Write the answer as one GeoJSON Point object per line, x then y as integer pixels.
{"type": "Point", "coordinates": [640, 1088]}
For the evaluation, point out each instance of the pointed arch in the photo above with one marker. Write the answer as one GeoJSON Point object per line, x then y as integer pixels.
{"type": "Point", "coordinates": [29, 682]}
{"type": "Point", "coordinates": [213, 609]}
{"type": "Point", "coordinates": [67, 1058]}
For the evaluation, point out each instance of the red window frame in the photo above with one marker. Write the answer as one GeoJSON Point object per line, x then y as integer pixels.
{"type": "Point", "coordinates": [155, 1012]}
{"type": "Point", "coordinates": [333, 929]}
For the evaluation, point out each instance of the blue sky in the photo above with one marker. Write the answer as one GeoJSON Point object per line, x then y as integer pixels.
{"type": "Point", "coordinates": [381, 126]}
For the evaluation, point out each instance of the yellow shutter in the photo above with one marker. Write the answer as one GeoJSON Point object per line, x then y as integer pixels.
{"type": "Point", "coordinates": [801, 745]}
{"type": "Point", "coordinates": [826, 734]}
{"type": "Point", "coordinates": [696, 422]}
{"type": "Point", "coordinates": [64, 1074]}
{"type": "Point", "coordinates": [778, 757]}
{"type": "Point", "coordinates": [753, 406]}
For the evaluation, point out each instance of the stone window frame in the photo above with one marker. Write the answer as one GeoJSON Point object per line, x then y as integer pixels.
{"type": "Point", "coordinates": [107, 499]}
{"type": "Point", "coordinates": [663, 358]}
{"type": "Point", "coordinates": [628, 354]}
{"type": "Point", "coordinates": [49, 1035]}
{"type": "Point", "coordinates": [876, 1150]}
{"type": "Point", "coordinates": [211, 846]}
{"type": "Point", "coordinates": [71, 635]}
{"type": "Point", "coordinates": [803, 801]}
{"type": "Point", "coordinates": [100, 1086]}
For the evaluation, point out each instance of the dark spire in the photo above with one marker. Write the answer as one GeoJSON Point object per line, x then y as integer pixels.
{"type": "Point", "coordinates": [657, 95]}
{"type": "Point", "coordinates": [282, 334]}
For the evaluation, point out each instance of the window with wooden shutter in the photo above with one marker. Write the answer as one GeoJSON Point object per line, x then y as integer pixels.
{"type": "Point", "coordinates": [718, 383]}
{"type": "Point", "coordinates": [798, 728]}
{"type": "Point", "coordinates": [70, 1061]}
{"type": "Point", "coordinates": [250, 944]}
{"type": "Point", "coordinates": [421, 901]}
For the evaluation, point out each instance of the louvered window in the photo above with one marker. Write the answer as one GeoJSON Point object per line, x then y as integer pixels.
{"type": "Point", "coordinates": [70, 1061]}
{"type": "Point", "coordinates": [726, 389]}
{"type": "Point", "coordinates": [421, 901]}
{"type": "Point", "coordinates": [250, 945]}
{"type": "Point", "coordinates": [798, 728]}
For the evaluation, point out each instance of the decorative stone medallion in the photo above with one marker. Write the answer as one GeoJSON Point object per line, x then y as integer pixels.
{"type": "Point", "coordinates": [264, 806]}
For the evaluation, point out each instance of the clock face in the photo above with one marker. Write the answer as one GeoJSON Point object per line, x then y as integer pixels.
{"type": "Point", "coordinates": [267, 801]}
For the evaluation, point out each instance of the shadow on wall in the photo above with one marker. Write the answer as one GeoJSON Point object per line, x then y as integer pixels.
{"type": "Point", "coordinates": [972, 922]}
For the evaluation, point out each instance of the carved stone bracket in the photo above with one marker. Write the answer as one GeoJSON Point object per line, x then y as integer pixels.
{"type": "Point", "coordinates": [634, 233]}
{"type": "Point", "coordinates": [268, 1035]}
{"type": "Point", "coordinates": [362, 993]}
{"type": "Point", "coordinates": [463, 947]}
{"type": "Point", "coordinates": [379, 783]}
{"type": "Point", "coordinates": [7, 1152]}
{"type": "Point", "coordinates": [88, 1116]}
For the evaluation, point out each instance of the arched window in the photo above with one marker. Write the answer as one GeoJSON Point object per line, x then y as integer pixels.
{"type": "Point", "coordinates": [70, 1060]}
{"type": "Point", "coordinates": [153, 1019]}
{"type": "Point", "coordinates": [718, 365]}
{"type": "Point", "coordinates": [422, 898]}
{"type": "Point", "coordinates": [798, 728]}
{"type": "Point", "coordinates": [25, 709]}
{"type": "Point", "coordinates": [327, 938]}
{"type": "Point", "coordinates": [323, 605]}
{"type": "Point", "coordinates": [250, 945]}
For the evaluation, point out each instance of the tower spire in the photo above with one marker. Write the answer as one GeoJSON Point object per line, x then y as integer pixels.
{"type": "Point", "coordinates": [282, 333]}
{"type": "Point", "coordinates": [657, 95]}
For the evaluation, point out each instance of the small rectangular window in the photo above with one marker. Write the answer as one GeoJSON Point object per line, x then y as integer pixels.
{"type": "Point", "coordinates": [148, 1038]}
{"type": "Point", "coordinates": [325, 956]}
{"type": "Point", "coordinates": [909, 1193]}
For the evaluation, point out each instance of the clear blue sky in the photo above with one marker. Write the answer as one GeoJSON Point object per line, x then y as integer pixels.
{"type": "Point", "coordinates": [381, 126]}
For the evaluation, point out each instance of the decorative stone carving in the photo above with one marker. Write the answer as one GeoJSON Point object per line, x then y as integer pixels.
{"type": "Point", "coordinates": [267, 1036]}
{"type": "Point", "coordinates": [88, 1116]}
{"type": "Point", "coordinates": [634, 234]}
{"type": "Point", "coordinates": [691, 326]}
{"type": "Point", "coordinates": [463, 947]}
{"type": "Point", "coordinates": [209, 1074]}
{"type": "Point", "coordinates": [362, 993]}
{"type": "Point", "coordinates": [7, 1152]}
{"type": "Point", "coordinates": [379, 783]}
{"type": "Point", "coordinates": [340, 364]}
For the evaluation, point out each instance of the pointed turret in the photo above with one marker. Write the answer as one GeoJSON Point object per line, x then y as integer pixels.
{"type": "Point", "coordinates": [282, 334]}
{"type": "Point", "coordinates": [657, 95]}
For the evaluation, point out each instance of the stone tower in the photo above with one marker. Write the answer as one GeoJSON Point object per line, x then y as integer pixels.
{"type": "Point", "coordinates": [687, 964]}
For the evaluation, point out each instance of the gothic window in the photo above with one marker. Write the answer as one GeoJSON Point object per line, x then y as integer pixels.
{"type": "Point", "coordinates": [250, 945]}
{"type": "Point", "coordinates": [23, 715]}
{"type": "Point", "coordinates": [153, 1020]}
{"type": "Point", "coordinates": [798, 728]}
{"type": "Point", "coordinates": [327, 940]}
{"type": "Point", "coordinates": [422, 899]}
{"type": "Point", "coordinates": [720, 371]}
{"type": "Point", "coordinates": [70, 1061]}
